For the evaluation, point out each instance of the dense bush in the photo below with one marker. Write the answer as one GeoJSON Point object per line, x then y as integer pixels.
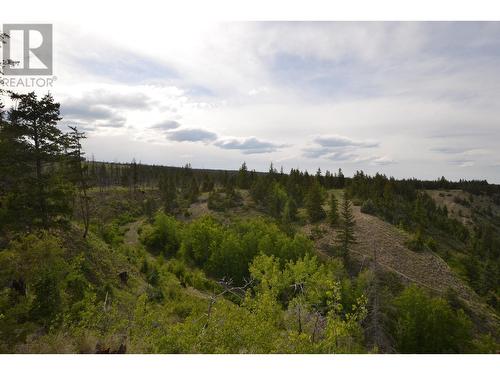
{"type": "Point", "coordinates": [226, 251]}
{"type": "Point", "coordinates": [418, 242]}
{"type": "Point", "coordinates": [163, 237]}
{"type": "Point", "coordinates": [368, 207]}
{"type": "Point", "coordinates": [219, 200]}
{"type": "Point", "coordinates": [279, 314]}
{"type": "Point", "coordinates": [424, 324]}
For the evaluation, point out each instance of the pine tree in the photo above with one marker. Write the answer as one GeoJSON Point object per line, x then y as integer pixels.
{"type": "Point", "coordinates": [333, 213]}
{"type": "Point", "coordinates": [168, 193]}
{"type": "Point", "coordinates": [135, 175]}
{"type": "Point", "coordinates": [289, 212]}
{"type": "Point", "coordinates": [276, 200]}
{"type": "Point", "coordinates": [340, 179]}
{"type": "Point", "coordinates": [194, 191]}
{"type": "Point", "coordinates": [207, 184]}
{"type": "Point", "coordinates": [243, 179]}
{"type": "Point", "coordinates": [34, 124]}
{"type": "Point", "coordinates": [345, 236]}
{"type": "Point", "coordinates": [314, 203]}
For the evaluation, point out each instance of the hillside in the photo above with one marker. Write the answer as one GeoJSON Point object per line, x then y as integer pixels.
{"type": "Point", "coordinates": [142, 259]}
{"type": "Point", "coordinates": [462, 205]}
{"type": "Point", "coordinates": [377, 238]}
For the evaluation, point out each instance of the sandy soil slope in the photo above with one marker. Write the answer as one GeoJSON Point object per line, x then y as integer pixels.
{"type": "Point", "coordinates": [375, 235]}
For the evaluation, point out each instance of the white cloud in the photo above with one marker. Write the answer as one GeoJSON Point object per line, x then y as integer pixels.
{"type": "Point", "coordinates": [250, 145]}
{"type": "Point", "coordinates": [338, 141]}
{"type": "Point", "coordinates": [191, 135]}
{"type": "Point", "coordinates": [378, 96]}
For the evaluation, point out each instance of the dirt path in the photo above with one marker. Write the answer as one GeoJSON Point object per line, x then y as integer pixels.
{"type": "Point", "coordinates": [132, 235]}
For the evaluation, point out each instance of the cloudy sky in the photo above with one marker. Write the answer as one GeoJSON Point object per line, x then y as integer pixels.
{"type": "Point", "coordinates": [405, 99]}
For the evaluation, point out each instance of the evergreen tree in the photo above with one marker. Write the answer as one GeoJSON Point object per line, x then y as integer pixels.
{"type": "Point", "coordinates": [340, 179]}
{"type": "Point", "coordinates": [276, 200]}
{"type": "Point", "coordinates": [207, 184]}
{"type": "Point", "coordinates": [135, 175]}
{"type": "Point", "coordinates": [259, 189]}
{"type": "Point", "coordinates": [333, 214]}
{"type": "Point", "coordinates": [345, 236]}
{"type": "Point", "coordinates": [314, 203]}
{"type": "Point", "coordinates": [41, 189]}
{"type": "Point", "coordinates": [168, 193]}
{"type": "Point", "coordinates": [194, 191]}
{"type": "Point", "coordinates": [289, 212]}
{"type": "Point", "coordinates": [243, 179]}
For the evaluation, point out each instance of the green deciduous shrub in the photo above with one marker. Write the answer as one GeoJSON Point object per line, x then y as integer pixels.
{"type": "Point", "coordinates": [163, 237]}
{"type": "Point", "coordinates": [424, 324]}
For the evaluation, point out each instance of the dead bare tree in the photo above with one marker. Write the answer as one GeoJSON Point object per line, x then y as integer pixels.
{"type": "Point", "coordinates": [319, 323]}
{"type": "Point", "coordinates": [299, 288]}
{"type": "Point", "coordinates": [75, 143]}
{"type": "Point", "coordinates": [228, 288]}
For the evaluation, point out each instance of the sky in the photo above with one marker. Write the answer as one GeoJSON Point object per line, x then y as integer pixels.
{"type": "Point", "coordinates": [406, 99]}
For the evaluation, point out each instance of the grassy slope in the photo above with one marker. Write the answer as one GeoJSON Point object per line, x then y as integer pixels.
{"type": "Point", "coordinates": [426, 269]}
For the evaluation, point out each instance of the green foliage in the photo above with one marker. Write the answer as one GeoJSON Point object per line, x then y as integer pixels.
{"type": "Point", "coordinates": [29, 256]}
{"type": "Point", "coordinates": [295, 304]}
{"type": "Point", "coordinates": [168, 193]}
{"type": "Point", "coordinates": [416, 242]}
{"type": "Point", "coordinates": [243, 181]}
{"type": "Point", "coordinates": [289, 212]}
{"type": "Point", "coordinates": [226, 251]}
{"type": "Point", "coordinates": [404, 203]}
{"type": "Point", "coordinates": [216, 201]}
{"type": "Point", "coordinates": [63, 294]}
{"type": "Point", "coordinates": [198, 238]}
{"type": "Point", "coordinates": [193, 191]}
{"type": "Point", "coordinates": [281, 314]}
{"type": "Point", "coordinates": [163, 237]}
{"type": "Point", "coordinates": [228, 258]}
{"type": "Point", "coordinates": [333, 213]}
{"type": "Point", "coordinates": [424, 324]}
{"type": "Point", "coordinates": [110, 233]}
{"type": "Point", "coordinates": [368, 207]}
{"type": "Point", "coordinates": [314, 203]}
{"type": "Point", "coordinates": [36, 263]}
{"type": "Point", "coordinates": [229, 329]}
{"type": "Point", "coordinates": [207, 184]}
{"type": "Point", "coordinates": [47, 299]}
{"type": "Point", "coordinates": [189, 276]}
{"type": "Point", "coordinates": [276, 200]}
{"type": "Point", "coordinates": [35, 191]}
{"type": "Point", "coordinates": [149, 208]}
{"type": "Point", "coordinates": [345, 235]}
{"type": "Point", "coordinates": [486, 344]}
{"type": "Point", "coordinates": [219, 200]}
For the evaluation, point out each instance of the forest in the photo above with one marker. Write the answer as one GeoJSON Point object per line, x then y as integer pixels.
{"type": "Point", "coordinates": [99, 257]}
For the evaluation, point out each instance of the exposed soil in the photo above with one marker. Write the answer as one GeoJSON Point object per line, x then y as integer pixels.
{"type": "Point", "coordinates": [375, 235]}
{"type": "Point", "coordinates": [461, 205]}
{"type": "Point", "coordinates": [132, 234]}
